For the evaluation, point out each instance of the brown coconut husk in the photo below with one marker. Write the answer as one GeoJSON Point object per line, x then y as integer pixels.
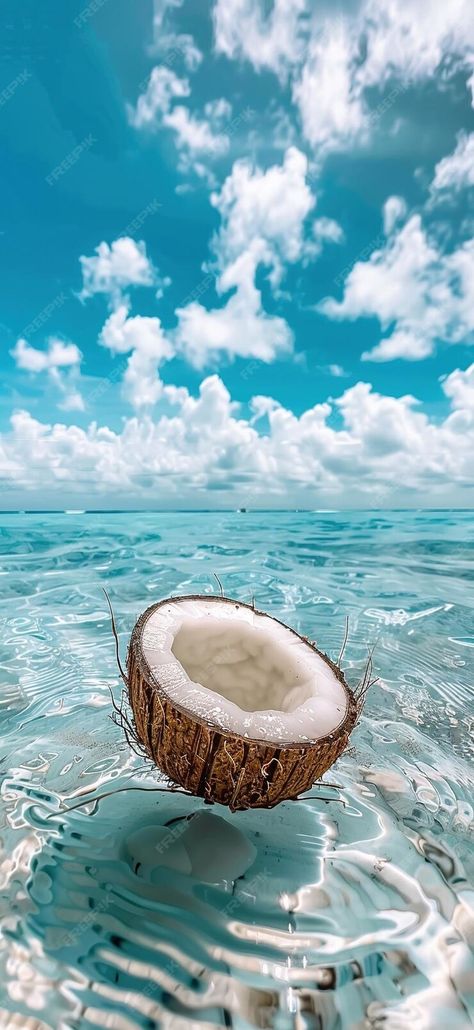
{"type": "Point", "coordinates": [219, 765]}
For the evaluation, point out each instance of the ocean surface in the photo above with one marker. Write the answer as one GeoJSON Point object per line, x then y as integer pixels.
{"type": "Point", "coordinates": [352, 907]}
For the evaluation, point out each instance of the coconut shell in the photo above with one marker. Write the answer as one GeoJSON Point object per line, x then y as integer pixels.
{"type": "Point", "coordinates": [216, 764]}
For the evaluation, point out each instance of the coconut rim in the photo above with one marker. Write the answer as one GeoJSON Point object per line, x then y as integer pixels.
{"type": "Point", "coordinates": [135, 652]}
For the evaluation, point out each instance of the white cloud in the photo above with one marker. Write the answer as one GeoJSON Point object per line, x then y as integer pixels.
{"type": "Point", "coordinates": [407, 40]}
{"type": "Point", "coordinates": [195, 134]}
{"type": "Point", "coordinates": [337, 371]}
{"type": "Point", "coordinates": [72, 399]}
{"type": "Point", "coordinates": [171, 45]}
{"type": "Point", "coordinates": [269, 205]}
{"type": "Point", "coordinates": [206, 447]}
{"type": "Point", "coordinates": [219, 109]}
{"type": "Point", "coordinates": [327, 230]}
{"type": "Point", "coordinates": [59, 354]}
{"type": "Point", "coordinates": [459, 387]}
{"type": "Point", "coordinates": [401, 37]}
{"type": "Point", "coordinates": [394, 211]}
{"type": "Point", "coordinates": [457, 170]}
{"type": "Point", "coordinates": [144, 339]}
{"type": "Point", "coordinates": [262, 224]}
{"type": "Point", "coordinates": [274, 41]}
{"type": "Point", "coordinates": [470, 85]}
{"type": "Point", "coordinates": [61, 360]}
{"type": "Point", "coordinates": [110, 271]}
{"type": "Point", "coordinates": [240, 328]}
{"type": "Point", "coordinates": [113, 268]}
{"type": "Point", "coordinates": [381, 43]}
{"type": "Point", "coordinates": [196, 137]}
{"type": "Point", "coordinates": [163, 87]}
{"type": "Point", "coordinates": [333, 58]}
{"type": "Point", "coordinates": [418, 294]}
{"type": "Point", "coordinates": [331, 106]}
{"type": "Point", "coordinates": [261, 406]}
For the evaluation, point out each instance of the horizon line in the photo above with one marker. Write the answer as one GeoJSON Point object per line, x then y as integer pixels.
{"type": "Point", "coordinates": [210, 511]}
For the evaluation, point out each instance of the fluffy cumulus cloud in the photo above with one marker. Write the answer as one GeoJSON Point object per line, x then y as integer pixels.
{"type": "Point", "coordinates": [197, 137]}
{"type": "Point", "coordinates": [174, 46]}
{"type": "Point", "coordinates": [470, 86]}
{"type": "Point", "coordinates": [331, 105]}
{"type": "Point", "coordinates": [327, 230]}
{"type": "Point", "coordinates": [263, 225]}
{"type": "Point", "coordinates": [207, 448]}
{"type": "Point", "coordinates": [272, 40]}
{"type": "Point", "coordinates": [111, 271]}
{"type": "Point", "coordinates": [334, 58]}
{"type": "Point", "coordinates": [146, 343]}
{"type": "Point", "coordinates": [459, 387]}
{"type": "Point", "coordinates": [404, 39]}
{"type": "Point", "coordinates": [269, 205]}
{"type": "Point", "coordinates": [163, 87]}
{"type": "Point", "coordinates": [241, 327]}
{"type": "Point", "coordinates": [115, 267]}
{"type": "Point", "coordinates": [394, 211]}
{"type": "Point", "coordinates": [419, 294]}
{"type": "Point", "coordinates": [456, 171]}
{"type": "Point", "coordinates": [60, 360]}
{"type": "Point", "coordinates": [59, 354]}
{"type": "Point", "coordinates": [389, 45]}
{"type": "Point", "coordinates": [263, 215]}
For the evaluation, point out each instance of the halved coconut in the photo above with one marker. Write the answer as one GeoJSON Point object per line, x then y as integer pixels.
{"type": "Point", "coordinates": [232, 704]}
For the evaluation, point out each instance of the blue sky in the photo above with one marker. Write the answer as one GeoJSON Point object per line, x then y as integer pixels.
{"type": "Point", "coordinates": [238, 265]}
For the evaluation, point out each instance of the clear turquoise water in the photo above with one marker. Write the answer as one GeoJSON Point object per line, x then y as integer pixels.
{"type": "Point", "coordinates": [355, 912]}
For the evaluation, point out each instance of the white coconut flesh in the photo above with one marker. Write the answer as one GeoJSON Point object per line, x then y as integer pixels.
{"type": "Point", "coordinates": [242, 671]}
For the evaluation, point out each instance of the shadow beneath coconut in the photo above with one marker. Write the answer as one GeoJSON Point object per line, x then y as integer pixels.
{"type": "Point", "coordinates": [157, 901]}
{"type": "Point", "coordinates": [164, 912]}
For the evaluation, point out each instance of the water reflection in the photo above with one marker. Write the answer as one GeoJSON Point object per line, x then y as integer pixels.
{"type": "Point", "coordinates": [148, 909]}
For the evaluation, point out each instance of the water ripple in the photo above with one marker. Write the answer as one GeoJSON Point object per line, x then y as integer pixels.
{"type": "Point", "coordinates": [143, 909]}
